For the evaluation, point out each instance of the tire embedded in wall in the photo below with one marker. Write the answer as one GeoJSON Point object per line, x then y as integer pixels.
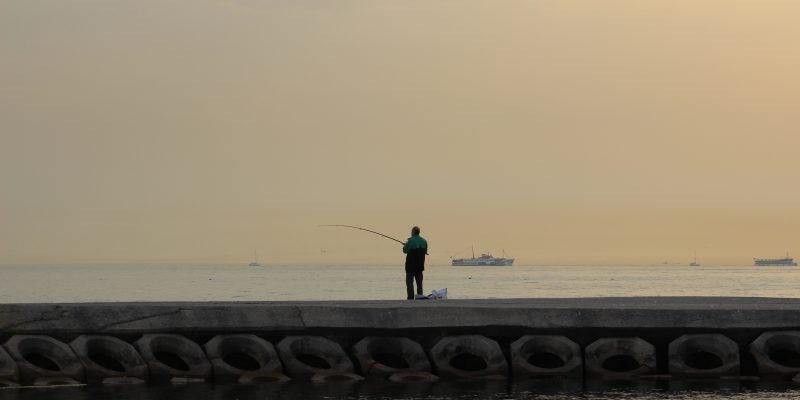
{"type": "Point", "coordinates": [777, 354]}
{"type": "Point", "coordinates": [39, 356]}
{"type": "Point", "coordinates": [108, 357]}
{"type": "Point", "coordinates": [306, 356]}
{"type": "Point", "coordinates": [381, 356]}
{"type": "Point", "coordinates": [468, 356]}
{"type": "Point", "coordinates": [173, 356]}
{"type": "Point", "coordinates": [236, 356]}
{"type": "Point", "coordinates": [703, 355]}
{"type": "Point", "coordinates": [619, 358]}
{"type": "Point", "coordinates": [539, 356]}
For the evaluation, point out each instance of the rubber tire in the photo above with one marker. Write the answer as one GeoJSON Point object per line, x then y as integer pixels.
{"type": "Point", "coordinates": [59, 353]}
{"type": "Point", "coordinates": [86, 346]}
{"type": "Point", "coordinates": [448, 348]}
{"type": "Point", "coordinates": [178, 346]}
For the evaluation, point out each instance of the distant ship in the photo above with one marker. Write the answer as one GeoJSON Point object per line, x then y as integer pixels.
{"type": "Point", "coordinates": [483, 260]}
{"type": "Point", "coordinates": [694, 263]}
{"type": "Point", "coordinates": [786, 261]}
{"type": "Point", "coordinates": [255, 260]}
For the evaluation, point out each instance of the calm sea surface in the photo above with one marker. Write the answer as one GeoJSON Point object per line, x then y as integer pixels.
{"type": "Point", "coordinates": [79, 283]}
{"type": "Point", "coordinates": [89, 283]}
{"type": "Point", "coordinates": [648, 390]}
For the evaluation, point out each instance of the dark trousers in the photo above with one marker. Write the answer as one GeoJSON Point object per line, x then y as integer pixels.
{"type": "Point", "coordinates": [410, 277]}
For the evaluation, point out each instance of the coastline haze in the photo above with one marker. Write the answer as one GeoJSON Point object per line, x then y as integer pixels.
{"type": "Point", "coordinates": [561, 131]}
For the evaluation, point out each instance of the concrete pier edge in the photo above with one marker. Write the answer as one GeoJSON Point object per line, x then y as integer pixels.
{"type": "Point", "coordinates": [656, 321]}
{"type": "Point", "coordinates": [684, 313]}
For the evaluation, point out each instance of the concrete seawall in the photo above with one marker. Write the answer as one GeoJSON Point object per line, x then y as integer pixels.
{"type": "Point", "coordinates": [588, 313]}
{"type": "Point", "coordinates": [625, 337]}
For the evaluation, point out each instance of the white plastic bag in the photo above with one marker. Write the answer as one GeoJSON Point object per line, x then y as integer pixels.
{"type": "Point", "coordinates": [439, 294]}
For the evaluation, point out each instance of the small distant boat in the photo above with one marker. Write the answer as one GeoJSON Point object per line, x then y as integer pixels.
{"type": "Point", "coordinates": [786, 261]}
{"type": "Point", "coordinates": [694, 263]}
{"type": "Point", "coordinates": [255, 262]}
{"type": "Point", "coordinates": [484, 260]}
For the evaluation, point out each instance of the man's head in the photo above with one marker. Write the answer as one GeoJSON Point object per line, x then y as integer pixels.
{"type": "Point", "coordinates": [415, 231]}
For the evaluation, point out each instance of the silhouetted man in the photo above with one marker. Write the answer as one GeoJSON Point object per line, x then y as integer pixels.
{"type": "Point", "coordinates": [415, 248]}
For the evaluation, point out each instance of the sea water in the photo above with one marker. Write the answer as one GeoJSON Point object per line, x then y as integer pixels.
{"type": "Point", "coordinates": [369, 390]}
{"type": "Point", "coordinates": [99, 283]}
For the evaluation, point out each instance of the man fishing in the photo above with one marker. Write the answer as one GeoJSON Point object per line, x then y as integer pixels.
{"type": "Point", "coordinates": [415, 248]}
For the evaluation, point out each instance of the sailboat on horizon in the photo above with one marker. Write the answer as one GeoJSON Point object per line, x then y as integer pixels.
{"type": "Point", "coordinates": [694, 263]}
{"type": "Point", "coordinates": [255, 260]}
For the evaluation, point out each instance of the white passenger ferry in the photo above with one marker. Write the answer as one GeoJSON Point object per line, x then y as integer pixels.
{"type": "Point", "coordinates": [786, 261]}
{"type": "Point", "coordinates": [484, 260]}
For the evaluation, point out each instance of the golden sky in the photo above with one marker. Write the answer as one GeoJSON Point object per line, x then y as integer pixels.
{"type": "Point", "coordinates": [563, 131]}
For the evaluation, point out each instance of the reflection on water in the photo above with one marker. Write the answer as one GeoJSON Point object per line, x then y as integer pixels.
{"type": "Point", "coordinates": [471, 390]}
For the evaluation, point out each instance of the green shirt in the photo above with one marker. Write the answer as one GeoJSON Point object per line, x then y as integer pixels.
{"type": "Point", "coordinates": [415, 242]}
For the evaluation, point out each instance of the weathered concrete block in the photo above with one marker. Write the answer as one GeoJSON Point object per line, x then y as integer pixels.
{"type": "Point", "coordinates": [383, 356]}
{"type": "Point", "coordinates": [703, 355]}
{"type": "Point", "coordinates": [468, 356]}
{"type": "Point", "coordinates": [106, 357]}
{"type": "Point", "coordinates": [538, 356]}
{"type": "Point", "coordinates": [619, 358]}
{"type": "Point", "coordinates": [8, 368]}
{"type": "Point", "coordinates": [777, 354]}
{"type": "Point", "coordinates": [305, 356]}
{"type": "Point", "coordinates": [39, 356]}
{"type": "Point", "coordinates": [173, 356]}
{"type": "Point", "coordinates": [234, 356]}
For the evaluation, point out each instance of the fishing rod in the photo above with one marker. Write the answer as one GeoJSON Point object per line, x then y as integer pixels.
{"type": "Point", "coordinates": [371, 231]}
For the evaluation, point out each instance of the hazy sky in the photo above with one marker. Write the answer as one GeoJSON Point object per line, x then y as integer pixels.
{"type": "Point", "coordinates": [563, 131]}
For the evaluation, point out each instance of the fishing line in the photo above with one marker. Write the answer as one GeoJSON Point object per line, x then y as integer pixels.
{"type": "Point", "coordinates": [368, 230]}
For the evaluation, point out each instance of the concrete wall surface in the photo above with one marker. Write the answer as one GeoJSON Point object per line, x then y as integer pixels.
{"type": "Point", "coordinates": [601, 338]}
{"type": "Point", "coordinates": [718, 313]}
